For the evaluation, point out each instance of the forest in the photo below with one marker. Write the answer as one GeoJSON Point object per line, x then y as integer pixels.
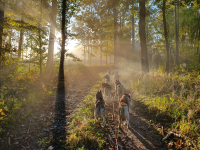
{"type": "Point", "coordinates": [56, 56]}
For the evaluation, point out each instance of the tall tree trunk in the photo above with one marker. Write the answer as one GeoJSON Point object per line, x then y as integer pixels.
{"type": "Point", "coordinates": [21, 36]}
{"type": "Point", "coordinates": [49, 67]}
{"type": "Point", "coordinates": [88, 55]}
{"type": "Point", "coordinates": [166, 36]}
{"type": "Point", "coordinates": [84, 53]}
{"type": "Point", "coordinates": [144, 58]}
{"type": "Point", "coordinates": [40, 41]}
{"type": "Point", "coordinates": [91, 55]}
{"type": "Point", "coordinates": [2, 7]}
{"type": "Point", "coordinates": [107, 53]}
{"type": "Point", "coordinates": [101, 55]}
{"type": "Point", "coordinates": [115, 33]}
{"type": "Point", "coordinates": [133, 31]}
{"type": "Point", "coordinates": [59, 132]}
{"type": "Point", "coordinates": [177, 31]}
{"type": "Point", "coordinates": [61, 69]}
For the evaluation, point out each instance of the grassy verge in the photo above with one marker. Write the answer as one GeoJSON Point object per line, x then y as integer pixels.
{"type": "Point", "coordinates": [172, 100]}
{"type": "Point", "coordinates": [83, 134]}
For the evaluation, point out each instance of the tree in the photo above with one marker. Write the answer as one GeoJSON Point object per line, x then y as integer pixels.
{"type": "Point", "coordinates": [144, 58]}
{"type": "Point", "coordinates": [177, 30]}
{"type": "Point", "coordinates": [166, 35]}
{"type": "Point", "coordinates": [115, 31]}
{"type": "Point", "coordinates": [2, 7]}
{"type": "Point", "coordinates": [49, 67]}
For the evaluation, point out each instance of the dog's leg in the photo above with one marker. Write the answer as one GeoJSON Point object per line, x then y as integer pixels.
{"type": "Point", "coordinates": [104, 119]}
{"type": "Point", "coordinates": [95, 117]}
{"type": "Point", "coordinates": [127, 120]}
{"type": "Point", "coordinates": [120, 117]}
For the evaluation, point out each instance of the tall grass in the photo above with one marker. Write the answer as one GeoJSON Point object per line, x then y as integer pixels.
{"type": "Point", "coordinates": [83, 133]}
{"type": "Point", "coordinates": [176, 95]}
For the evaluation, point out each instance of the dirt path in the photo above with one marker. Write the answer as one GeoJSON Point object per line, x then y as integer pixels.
{"type": "Point", "coordinates": [36, 130]}
{"type": "Point", "coordinates": [140, 135]}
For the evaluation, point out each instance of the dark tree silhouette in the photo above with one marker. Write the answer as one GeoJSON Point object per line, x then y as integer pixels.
{"type": "Point", "coordinates": [59, 134]}
{"type": "Point", "coordinates": [143, 46]}
{"type": "Point", "coordinates": [166, 35]}
{"type": "Point", "coordinates": [2, 7]}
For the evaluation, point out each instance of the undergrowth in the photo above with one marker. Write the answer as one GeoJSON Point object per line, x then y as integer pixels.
{"type": "Point", "coordinates": [176, 95]}
{"type": "Point", "coordinates": [20, 88]}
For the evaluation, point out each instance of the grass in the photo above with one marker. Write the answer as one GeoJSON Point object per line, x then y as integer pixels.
{"type": "Point", "coordinates": [83, 134]}
{"type": "Point", "coordinates": [175, 96]}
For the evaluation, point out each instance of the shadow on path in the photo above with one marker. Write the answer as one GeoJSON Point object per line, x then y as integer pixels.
{"type": "Point", "coordinates": [59, 133]}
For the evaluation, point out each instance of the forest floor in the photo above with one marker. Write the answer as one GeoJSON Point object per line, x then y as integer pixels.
{"type": "Point", "coordinates": [36, 130]}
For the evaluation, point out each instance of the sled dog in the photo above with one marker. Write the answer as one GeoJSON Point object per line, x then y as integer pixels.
{"type": "Point", "coordinates": [106, 78]}
{"type": "Point", "coordinates": [99, 107]}
{"type": "Point", "coordinates": [120, 91]}
{"type": "Point", "coordinates": [116, 84]}
{"type": "Point", "coordinates": [116, 76]}
{"type": "Point", "coordinates": [106, 90]}
{"type": "Point", "coordinates": [124, 109]}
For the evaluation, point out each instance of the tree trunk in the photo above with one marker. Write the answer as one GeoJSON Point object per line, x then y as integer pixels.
{"type": "Point", "coordinates": [144, 58]}
{"type": "Point", "coordinates": [84, 54]}
{"type": "Point", "coordinates": [40, 41]}
{"type": "Point", "coordinates": [49, 67]}
{"type": "Point", "coordinates": [61, 69]}
{"type": "Point", "coordinates": [91, 55]}
{"type": "Point", "coordinates": [2, 7]}
{"type": "Point", "coordinates": [107, 53]}
{"type": "Point", "coordinates": [177, 32]}
{"type": "Point", "coordinates": [88, 55]}
{"type": "Point", "coordinates": [166, 36]}
{"type": "Point", "coordinates": [133, 32]}
{"type": "Point", "coordinates": [100, 55]}
{"type": "Point", "coordinates": [21, 36]}
{"type": "Point", "coordinates": [115, 33]}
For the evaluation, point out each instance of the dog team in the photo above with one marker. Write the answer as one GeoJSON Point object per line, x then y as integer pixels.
{"type": "Point", "coordinates": [123, 98]}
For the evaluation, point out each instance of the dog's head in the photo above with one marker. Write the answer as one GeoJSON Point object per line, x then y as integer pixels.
{"type": "Point", "coordinates": [127, 96]}
{"type": "Point", "coordinates": [99, 95]}
{"type": "Point", "coordinates": [117, 82]}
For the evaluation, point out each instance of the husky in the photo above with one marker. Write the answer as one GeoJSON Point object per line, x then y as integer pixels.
{"type": "Point", "coordinates": [116, 76]}
{"type": "Point", "coordinates": [106, 90]}
{"type": "Point", "coordinates": [106, 78]}
{"type": "Point", "coordinates": [114, 72]}
{"type": "Point", "coordinates": [119, 89]}
{"type": "Point", "coordinates": [124, 109]}
{"type": "Point", "coordinates": [99, 107]}
{"type": "Point", "coordinates": [109, 72]}
{"type": "Point", "coordinates": [116, 84]}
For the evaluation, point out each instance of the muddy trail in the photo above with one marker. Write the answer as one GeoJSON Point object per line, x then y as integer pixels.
{"type": "Point", "coordinates": [46, 123]}
{"type": "Point", "coordinates": [140, 135]}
